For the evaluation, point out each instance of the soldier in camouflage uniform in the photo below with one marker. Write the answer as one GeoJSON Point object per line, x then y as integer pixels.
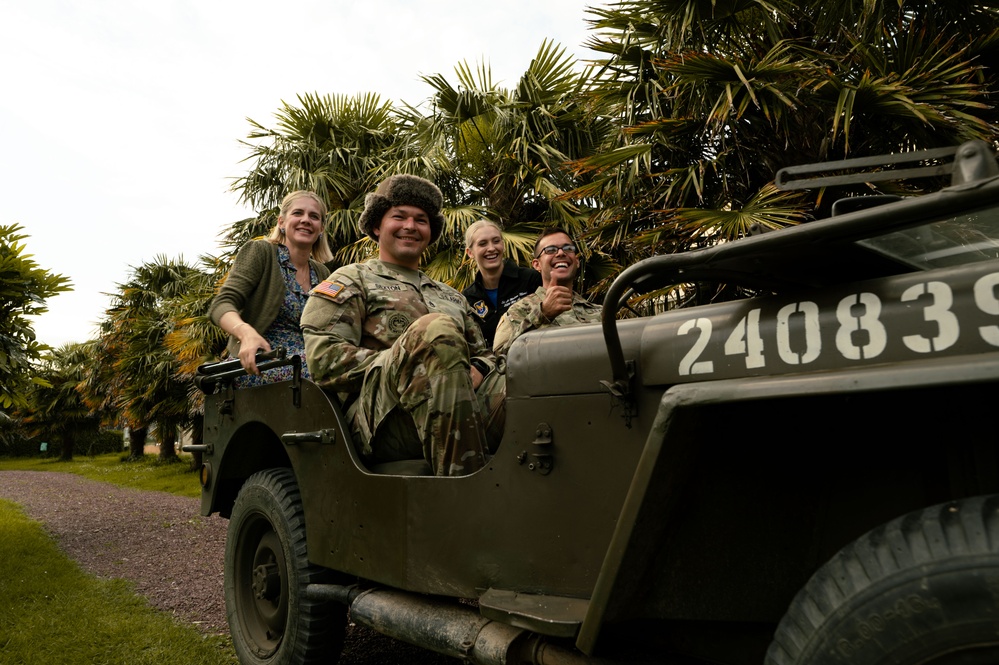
{"type": "Point", "coordinates": [404, 348]}
{"type": "Point", "coordinates": [556, 257]}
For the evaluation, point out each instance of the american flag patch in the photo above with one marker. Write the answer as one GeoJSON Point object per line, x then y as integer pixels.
{"type": "Point", "coordinates": [328, 289]}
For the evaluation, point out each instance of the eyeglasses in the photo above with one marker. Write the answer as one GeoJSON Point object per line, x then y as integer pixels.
{"type": "Point", "coordinates": [568, 248]}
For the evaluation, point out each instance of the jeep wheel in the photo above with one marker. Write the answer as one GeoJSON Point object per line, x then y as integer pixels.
{"type": "Point", "coordinates": [266, 572]}
{"type": "Point", "coordinates": [922, 589]}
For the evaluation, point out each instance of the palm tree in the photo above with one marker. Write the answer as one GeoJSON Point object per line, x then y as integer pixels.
{"type": "Point", "coordinates": [712, 98]}
{"type": "Point", "coordinates": [503, 153]}
{"type": "Point", "coordinates": [195, 340]}
{"type": "Point", "coordinates": [56, 409]}
{"type": "Point", "coordinates": [101, 385]}
{"type": "Point", "coordinates": [493, 151]}
{"type": "Point", "coordinates": [334, 145]}
{"type": "Point", "coordinates": [136, 375]}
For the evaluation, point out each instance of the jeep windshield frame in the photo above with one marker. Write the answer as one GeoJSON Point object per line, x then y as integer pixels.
{"type": "Point", "coordinates": [851, 247]}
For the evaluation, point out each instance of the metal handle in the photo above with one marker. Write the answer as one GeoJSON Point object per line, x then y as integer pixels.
{"type": "Point", "coordinates": [322, 436]}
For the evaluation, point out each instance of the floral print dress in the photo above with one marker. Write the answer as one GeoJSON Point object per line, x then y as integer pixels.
{"type": "Point", "coordinates": [285, 331]}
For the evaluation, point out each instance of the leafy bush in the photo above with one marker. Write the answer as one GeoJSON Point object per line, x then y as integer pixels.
{"type": "Point", "coordinates": [15, 443]}
{"type": "Point", "coordinates": [100, 443]}
{"type": "Point", "coordinates": [23, 291]}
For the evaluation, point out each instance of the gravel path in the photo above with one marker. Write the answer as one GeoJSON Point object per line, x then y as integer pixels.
{"type": "Point", "coordinates": [161, 543]}
{"type": "Point", "coordinates": [156, 540]}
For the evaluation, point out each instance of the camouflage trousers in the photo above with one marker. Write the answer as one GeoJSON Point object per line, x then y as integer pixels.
{"type": "Point", "coordinates": [417, 401]}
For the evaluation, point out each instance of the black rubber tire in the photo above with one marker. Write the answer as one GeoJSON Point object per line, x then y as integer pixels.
{"type": "Point", "coordinates": [266, 572]}
{"type": "Point", "coordinates": [920, 590]}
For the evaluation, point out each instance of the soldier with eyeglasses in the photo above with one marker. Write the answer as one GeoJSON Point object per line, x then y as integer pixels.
{"type": "Point", "coordinates": [555, 303]}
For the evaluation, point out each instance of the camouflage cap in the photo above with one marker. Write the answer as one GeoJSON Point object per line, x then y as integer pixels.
{"type": "Point", "coordinates": [403, 190]}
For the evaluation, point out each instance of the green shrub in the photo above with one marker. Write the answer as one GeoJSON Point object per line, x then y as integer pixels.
{"type": "Point", "coordinates": [16, 444]}
{"type": "Point", "coordinates": [100, 443]}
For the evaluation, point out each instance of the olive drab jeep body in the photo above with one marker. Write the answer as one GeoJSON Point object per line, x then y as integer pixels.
{"type": "Point", "coordinates": [802, 476]}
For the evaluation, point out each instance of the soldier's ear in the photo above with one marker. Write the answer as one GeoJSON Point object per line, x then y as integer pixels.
{"type": "Point", "coordinates": [536, 264]}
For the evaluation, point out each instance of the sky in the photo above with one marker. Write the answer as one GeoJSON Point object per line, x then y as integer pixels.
{"type": "Point", "coordinates": [121, 121]}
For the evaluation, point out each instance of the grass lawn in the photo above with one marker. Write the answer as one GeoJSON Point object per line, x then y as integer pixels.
{"type": "Point", "coordinates": [146, 474]}
{"type": "Point", "coordinates": [52, 613]}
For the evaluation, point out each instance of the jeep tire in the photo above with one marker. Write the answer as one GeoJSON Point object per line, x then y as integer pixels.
{"type": "Point", "coordinates": [266, 572]}
{"type": "Point", "coordinates": [923, 588]}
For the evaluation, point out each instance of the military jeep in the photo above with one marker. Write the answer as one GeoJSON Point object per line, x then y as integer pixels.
{"type": "Point", "coordinates": [802, 476]}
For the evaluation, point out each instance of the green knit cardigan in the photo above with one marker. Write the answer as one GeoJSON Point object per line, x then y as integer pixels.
{"type": "Point", "coordinates": [255, 288]}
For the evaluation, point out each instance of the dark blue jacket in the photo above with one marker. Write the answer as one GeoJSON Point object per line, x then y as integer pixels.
{"type": "Point", "coordinates": [515, 283]}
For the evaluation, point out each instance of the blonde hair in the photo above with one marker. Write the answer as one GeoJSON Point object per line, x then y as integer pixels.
{"type": "Point", "coordinates": [321, 247]}
{"type": "Point", "coordinates": [475, 226]}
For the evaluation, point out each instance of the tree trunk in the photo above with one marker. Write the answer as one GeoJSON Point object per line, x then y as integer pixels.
{"type": "Point", "coordinates": [68, 442]}
{"type": "Point", "coordinates": [168, 442]}
{"type": "Point", "coordinates": [197, 439]}
{"type": "Point", "coordinates": [137, 442]}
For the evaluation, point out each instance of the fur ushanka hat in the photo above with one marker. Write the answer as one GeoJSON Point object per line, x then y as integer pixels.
{"type": "Point", "coordinates": [402, 190]}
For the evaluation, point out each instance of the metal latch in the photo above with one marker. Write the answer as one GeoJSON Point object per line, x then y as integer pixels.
{"type": "Point", "coordinates": [542, 460]}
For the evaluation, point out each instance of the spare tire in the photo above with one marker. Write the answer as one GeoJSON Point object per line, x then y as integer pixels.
{"type": "Point", "coordinates": [922, 589]}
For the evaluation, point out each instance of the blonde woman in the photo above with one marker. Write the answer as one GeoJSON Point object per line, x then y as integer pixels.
{"type": "Point", "coordinates": [260, 303]}
{"type": "Point", "coordinates": [499, 282]}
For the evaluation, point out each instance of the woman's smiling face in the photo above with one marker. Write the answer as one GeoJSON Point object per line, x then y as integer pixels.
{"type": "Point", "coordinates": [303, 222]}
{"type": "Point", "coordinates": [487, 248]}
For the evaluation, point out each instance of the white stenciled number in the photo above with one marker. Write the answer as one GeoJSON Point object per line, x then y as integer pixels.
{"type": "Point", "coordinates": [937, 311]}
{"type": "Point", "coordinates": [988, 302]}
{"type": "Point", "coordinates": [746, 340]}
{"type": "Point", "coordinates": [813, 339]}
{"type": "Point", "coordinates": [868, 321]}
{"type": "Point", "coordinates": [690, 364]}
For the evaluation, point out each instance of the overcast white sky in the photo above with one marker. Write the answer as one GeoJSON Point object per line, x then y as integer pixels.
{"type": "Point", "coordinates": [120, 120]}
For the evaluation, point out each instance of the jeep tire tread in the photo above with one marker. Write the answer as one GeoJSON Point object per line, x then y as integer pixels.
{"type": "Point", "coordinates": [922, 589]}
{"type": "Point", "coordinates": [266, 572]}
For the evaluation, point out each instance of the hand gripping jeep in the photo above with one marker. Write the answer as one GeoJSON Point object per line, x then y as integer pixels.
{"type": "Point", "coordinates": [806, 476]}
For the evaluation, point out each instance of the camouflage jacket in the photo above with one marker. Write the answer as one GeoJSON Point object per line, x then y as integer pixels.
{"type": "Point", "coordinates": [362, 308]}
{"type": "Point", "coordinates": [526, 315]}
